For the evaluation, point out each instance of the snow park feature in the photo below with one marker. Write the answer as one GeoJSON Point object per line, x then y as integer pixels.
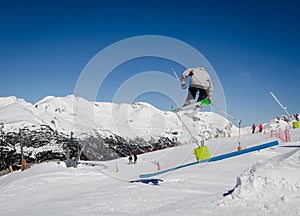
{"type": "Point", "coordinates": [216, 158]}
{"type": "Point", "coordinates": [202, 153]}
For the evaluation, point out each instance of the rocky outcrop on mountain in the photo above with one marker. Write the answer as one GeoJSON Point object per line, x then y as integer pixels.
{"type": "Point", "coordinates": [44, 144]}
{"type": "Point", "coordinates": [38, 145]}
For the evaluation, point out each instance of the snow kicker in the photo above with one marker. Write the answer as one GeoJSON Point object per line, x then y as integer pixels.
{"type": "Point", "coordinates": [216, 158]}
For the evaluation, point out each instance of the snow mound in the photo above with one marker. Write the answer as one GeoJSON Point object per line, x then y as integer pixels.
{"type": "Point", "coordinates": [272, 186]}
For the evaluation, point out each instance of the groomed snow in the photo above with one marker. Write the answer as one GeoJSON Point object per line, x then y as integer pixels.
{"type": "Point", "coordinates": [266, 182]}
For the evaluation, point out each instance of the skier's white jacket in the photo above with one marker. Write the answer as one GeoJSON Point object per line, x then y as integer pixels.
{"type": "Point", "coordinates": [200, 79]}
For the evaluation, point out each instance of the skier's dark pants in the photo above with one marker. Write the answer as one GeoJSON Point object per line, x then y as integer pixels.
{"type": "Point", "coordinates": [193, 91]}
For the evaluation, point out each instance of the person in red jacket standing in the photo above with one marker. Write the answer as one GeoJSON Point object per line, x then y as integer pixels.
{"type": "Point", "coordinates": [260, 128]}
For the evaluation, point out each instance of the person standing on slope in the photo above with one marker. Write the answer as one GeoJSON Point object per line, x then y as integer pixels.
{"type": "Point", "coordinates": [134, 158]}
{"type": "Point", "coordinates": [130, 159]}
{"type": "Point", "coordinates": [200, 82]}
{"type": "Point", "coordinates": [253, 128]}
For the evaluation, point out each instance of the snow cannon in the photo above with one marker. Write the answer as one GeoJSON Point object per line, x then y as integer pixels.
{"type": "Point", "coordinates": [202, 153]}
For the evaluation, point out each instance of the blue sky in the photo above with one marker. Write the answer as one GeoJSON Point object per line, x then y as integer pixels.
{"type": "Point", "coordinates": [253, 46]}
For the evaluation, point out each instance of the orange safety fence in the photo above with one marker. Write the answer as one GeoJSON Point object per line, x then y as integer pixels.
{"type": "Point", "coordinates": [282, 135]}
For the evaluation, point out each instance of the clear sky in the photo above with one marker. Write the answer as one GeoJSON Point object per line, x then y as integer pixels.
{"type": "Point", "coordinates": [253, 46]}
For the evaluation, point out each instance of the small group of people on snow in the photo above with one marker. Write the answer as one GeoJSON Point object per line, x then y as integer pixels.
{"type": "Point", "coordinates": [260, 127]}
{"type": "Point", "coordinates": [134, 158]}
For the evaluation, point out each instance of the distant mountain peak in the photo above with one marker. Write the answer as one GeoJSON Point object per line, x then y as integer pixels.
{"type": "Point", "coordinates": [86, 118]}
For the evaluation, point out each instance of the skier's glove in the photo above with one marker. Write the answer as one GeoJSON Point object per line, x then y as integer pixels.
{"type": "Point", "coordinates": [183, 86]}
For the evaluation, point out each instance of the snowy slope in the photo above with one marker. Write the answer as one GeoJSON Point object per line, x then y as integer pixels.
{"type": "Point", "coordinates": [84, 118]}
{"type": "Point", "coordinates": [269, 184]}
{"type": "Point", "coordinates": [16, 113]}
{"type": "Point", "coordinates": [272, 185]}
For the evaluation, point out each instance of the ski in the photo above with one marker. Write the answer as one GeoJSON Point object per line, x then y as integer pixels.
{"type": "Point", "coordinates": [199, 105]}
{"type": "Point", "coordinates": [197, 109]}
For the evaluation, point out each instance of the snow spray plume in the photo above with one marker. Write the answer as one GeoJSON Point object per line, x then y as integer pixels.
{"type": "Point", "coordinates": [94, 75]}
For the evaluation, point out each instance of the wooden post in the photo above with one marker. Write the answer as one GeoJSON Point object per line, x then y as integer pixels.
{"type": "Point", "coordinates": [158, 166]}
{"type": "Point", "coordinates": [24, 165]}
{"type": "Point", "coordinates": [10, 169]}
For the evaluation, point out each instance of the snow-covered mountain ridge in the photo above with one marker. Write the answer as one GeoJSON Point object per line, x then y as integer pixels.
{"type": "Point", "coordinates": [107, 130]}
{"type": "Point", "coordinates": [84, 118]}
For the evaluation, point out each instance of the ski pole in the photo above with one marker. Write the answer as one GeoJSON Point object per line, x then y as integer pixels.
{"type": "Point", "coordinates": [174, 72]}
{"type": "Point", "coordinates": [188, 130]}
{"type": "Point", "coordinates": [235, 119]}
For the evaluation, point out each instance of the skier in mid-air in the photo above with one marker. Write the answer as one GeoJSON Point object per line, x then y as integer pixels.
{"type": "Point", "coordinates": [200, 82]}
